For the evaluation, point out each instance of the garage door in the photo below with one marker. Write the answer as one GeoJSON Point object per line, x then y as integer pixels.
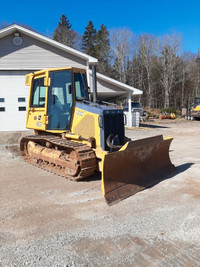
{"type": "Point", "coordinates": [13, 100]}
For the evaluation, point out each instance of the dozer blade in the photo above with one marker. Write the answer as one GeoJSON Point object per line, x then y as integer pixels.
{"type": "Point", "coordinates": [137, 165]}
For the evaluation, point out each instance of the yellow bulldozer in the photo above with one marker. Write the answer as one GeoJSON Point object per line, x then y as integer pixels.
{"type": "Point", "coordinates": [194, 111]}
{"type": "Point", "coordinates": [74, 136]}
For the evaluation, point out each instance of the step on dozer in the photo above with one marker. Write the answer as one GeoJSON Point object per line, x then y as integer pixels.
{"type": "Point", "coordinates": [137, 165]}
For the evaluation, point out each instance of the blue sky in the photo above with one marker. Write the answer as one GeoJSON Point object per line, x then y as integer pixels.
{"type": "Point", "coordinates": [153, 16]}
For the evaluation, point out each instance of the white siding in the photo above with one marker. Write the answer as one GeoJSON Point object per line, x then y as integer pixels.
{"type": "Point", "coordinates": [15, 63]}
{"type": "Point", "coordinates": [34, 54]}
{"type": "Point", "coordinates": [11, 88]}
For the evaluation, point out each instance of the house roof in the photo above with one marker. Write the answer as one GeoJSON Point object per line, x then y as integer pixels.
{"type": "Point", "coordinates": [91, 60]}
{"type": "Point", "coordinates": [121, 85]}
{"type": "Point", "coordinates": [124, 86]}
{"type": "Point", "coordinates": [14, 27]}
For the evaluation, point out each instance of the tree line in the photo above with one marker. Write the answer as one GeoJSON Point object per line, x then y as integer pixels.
{"type": "Point", "coordinates": [155, 65]}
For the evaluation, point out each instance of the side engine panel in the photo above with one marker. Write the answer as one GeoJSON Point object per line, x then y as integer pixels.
{"type": "Point", "coordinates": [98, 121]}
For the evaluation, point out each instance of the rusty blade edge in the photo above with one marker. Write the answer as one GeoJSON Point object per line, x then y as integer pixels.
{"type": "Point", "coordinates": [124, 191]}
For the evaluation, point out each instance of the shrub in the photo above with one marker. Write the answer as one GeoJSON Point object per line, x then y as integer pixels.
{"type": "Point", "coordinates": [170, 110]}
{"type": "Point", "coordinates": [150, 114]}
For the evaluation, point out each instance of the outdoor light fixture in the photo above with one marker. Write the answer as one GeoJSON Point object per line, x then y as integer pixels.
{"type": "Point", "coordinates": [17, 40]}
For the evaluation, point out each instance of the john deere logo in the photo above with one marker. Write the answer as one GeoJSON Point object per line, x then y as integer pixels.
{"type": "Point", "coordinates": [80, 113]}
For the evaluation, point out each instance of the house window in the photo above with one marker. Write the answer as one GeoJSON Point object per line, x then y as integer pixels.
{"type": "Point", "coordinates": [2, 109]}
{"type": "Point", "coordinates": [21, 99]}
{"type": "Point", "coordinates": [2, 99]}
{"type": "Point", "coordinates": [22, 108]}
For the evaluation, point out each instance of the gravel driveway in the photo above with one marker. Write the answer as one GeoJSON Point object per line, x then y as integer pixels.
{"type": "Point", "coordinates": [46, 220]}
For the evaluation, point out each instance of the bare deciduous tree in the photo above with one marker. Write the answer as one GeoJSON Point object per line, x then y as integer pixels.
{"type": "Point", "coordinates": [146, 55]}
{"type": "Point", "coordinates": [169, 48]}
{"type": "Point", "coordinates": [121, 50]}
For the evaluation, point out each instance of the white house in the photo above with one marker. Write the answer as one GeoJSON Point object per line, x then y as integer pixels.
{"type": "Point", "coordinates": [23, 51]}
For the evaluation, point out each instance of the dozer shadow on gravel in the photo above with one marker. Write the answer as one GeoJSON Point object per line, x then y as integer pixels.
{"type": "Point", "coordinates": [74, 137]}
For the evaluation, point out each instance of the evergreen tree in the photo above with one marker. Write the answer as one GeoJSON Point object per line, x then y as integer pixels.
{"type": "Point", "coordinates": [65, 22]}
{"type": "Point", "coordinates": [89, 40]}
{"type": "Point", "coordinates": [103, 49]}
{"type": "Point", "coordinates": [63, 33]}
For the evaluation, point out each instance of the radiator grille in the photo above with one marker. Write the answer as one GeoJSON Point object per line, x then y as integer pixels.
{"type": "Point", "coordinates": [113, 124]}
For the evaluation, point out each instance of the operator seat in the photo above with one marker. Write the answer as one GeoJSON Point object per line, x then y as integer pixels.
{"type": "Point", "coordinates": [55, 112]}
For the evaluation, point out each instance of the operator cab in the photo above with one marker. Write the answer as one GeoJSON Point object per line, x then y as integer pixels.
{"type": "Point", "coordinates": [61, 97]}
{"type": "Point", "coordinates": [65, 87]}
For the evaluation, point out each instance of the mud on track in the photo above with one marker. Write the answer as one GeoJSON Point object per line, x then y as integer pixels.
{"type": "Point", "coordinates": [46, 220]}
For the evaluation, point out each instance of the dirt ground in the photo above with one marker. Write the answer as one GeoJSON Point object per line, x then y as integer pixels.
{"type": "Point", "coordinates": [46, 220]}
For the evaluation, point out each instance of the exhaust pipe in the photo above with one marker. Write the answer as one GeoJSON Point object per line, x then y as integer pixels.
{"type": "Point", "coordinates": [94, 83]}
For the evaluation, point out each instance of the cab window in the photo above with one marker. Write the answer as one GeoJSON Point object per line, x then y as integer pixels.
{"type": "Point", "coordinates": [60, 100]}
{"type": "Point", "coordinates": [38, 93]}
{"type": "Point", "coordinates": [80, 86]}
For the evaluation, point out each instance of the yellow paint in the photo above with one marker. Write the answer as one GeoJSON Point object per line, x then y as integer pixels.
{"type": "Point", "coordinates": [166, 138]}
{"type": "Point", "coordinates": [28, 79]}
{"type": "Point", "coordinates": [36, 117]}
{"type": "Point", "coordinates": [99, 152]}
{"type": "Point", "coordinates": [86, 125]}
{"type": "Point", "coordinates": [124, 146]}
{"type": "Point", "coordinates": [197, 108]}
{"type": "Point", "coordinates": [172, 116]}
{"type": "Point", "coordinates": [72, 136]}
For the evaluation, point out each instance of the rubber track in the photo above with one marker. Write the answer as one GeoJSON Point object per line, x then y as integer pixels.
{"type": "Point", "coordinates": [85, 160]}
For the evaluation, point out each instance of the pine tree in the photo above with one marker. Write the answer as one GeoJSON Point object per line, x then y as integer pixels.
{"type": "Point", "coordinates": [63, 33]}
{"type": "Point", "coordinates": [103, 49]}
{"type": "Point", "coordinates": [65, 22]}
{"type": "Point", "coordinates": [89, 40]}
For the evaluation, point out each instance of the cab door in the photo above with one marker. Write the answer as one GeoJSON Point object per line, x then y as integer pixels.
{"type": "Point", "coordinates": [60, 100]}
{"type": "Point", "coordinates": [36, 116]}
